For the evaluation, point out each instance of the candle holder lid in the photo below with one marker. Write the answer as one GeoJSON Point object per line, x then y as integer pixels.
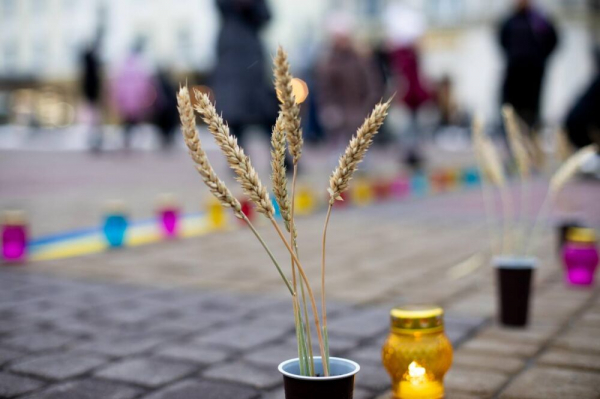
{"type": "Point", "coordinates": [14, 218]}
{"type": "Point", "coordinates": [581, 234]}
{"type": "Point", "coordinates": [116, 206]}
{"type": "Point", "coordinates": [417, 318]}
{"type": "Point", "coordinates": [167, 200]}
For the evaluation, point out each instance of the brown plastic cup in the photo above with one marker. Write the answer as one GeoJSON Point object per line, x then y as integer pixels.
{"type": "Point", "coordinates": [514, 275]}
{"type": "Point", "coordinates": [339, 384]}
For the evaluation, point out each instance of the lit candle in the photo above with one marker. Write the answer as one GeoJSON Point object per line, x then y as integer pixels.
{"type": "Point", "coordinates": [168, 213]}
{"type": "Point", "coordinates": [417, 384]}
{"type": "Point", "coordinates": [14, 237]}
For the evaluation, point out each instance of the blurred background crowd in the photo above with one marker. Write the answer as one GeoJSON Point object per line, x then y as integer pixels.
{"type": "Point", "coordinates": [102, 69]}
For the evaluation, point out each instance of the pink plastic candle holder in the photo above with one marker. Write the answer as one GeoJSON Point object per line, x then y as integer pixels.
{"type": "Point", "coordinates": [14, 237]}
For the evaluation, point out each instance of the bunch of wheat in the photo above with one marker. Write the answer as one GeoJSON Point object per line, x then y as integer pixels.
{"type": "Point", "coordinates": [286, 133]}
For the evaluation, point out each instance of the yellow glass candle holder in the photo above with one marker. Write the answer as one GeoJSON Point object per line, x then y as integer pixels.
{"type": "Point", "coordinates": [305, 201]}
{"type": "Point", "coordinates": [417, 354]}
{"type": "Point", "coordinates": [217, 218]}
{"type": "Point", "coordinates": [362, 193]}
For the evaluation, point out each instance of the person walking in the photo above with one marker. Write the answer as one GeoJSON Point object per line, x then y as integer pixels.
{"type": "Point", "coordinates": [134, 92]}
{"type": "Point", "coordinates": [527, 38]}
{"type": "Point", "coordinates": [91, 88]}
{"type": "Point", "coordinates": [348, 83]}
{"type": "Point", "coordinates": [240, 80]}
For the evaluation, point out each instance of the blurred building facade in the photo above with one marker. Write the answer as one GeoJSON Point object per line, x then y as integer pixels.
{"type": "Point", "coordinates": [41, 41]}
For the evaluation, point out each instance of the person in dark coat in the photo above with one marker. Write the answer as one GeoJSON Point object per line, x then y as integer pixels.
{"type": "Point", "coordinates": [240, 82]}
{"type": "Point", "coordinates": [528, 38]}
{"type": "Point", "coordinates": [348, 83]}
{"type": "Point", "coordinates": [583, 121]}
{"type": "Point", "coordinates": [91, 88]}
{"type": "Point", "coordinates": [165, 116]}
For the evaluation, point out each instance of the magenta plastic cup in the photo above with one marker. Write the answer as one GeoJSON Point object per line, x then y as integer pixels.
{"type": "Point", "coordinates": [514, 276]}
{"type": "Point", "coordinates": [580, 257]}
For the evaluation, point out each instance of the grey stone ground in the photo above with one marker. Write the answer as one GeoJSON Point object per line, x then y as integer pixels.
{"type": "Point", "coordinates": [208, 317]}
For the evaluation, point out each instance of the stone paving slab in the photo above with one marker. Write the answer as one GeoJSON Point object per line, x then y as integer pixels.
{"type": "Point", "coordinates": [88, 389]}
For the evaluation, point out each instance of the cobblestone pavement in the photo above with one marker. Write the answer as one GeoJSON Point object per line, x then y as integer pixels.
{"type": "Point", "coordinates": [209, 315]}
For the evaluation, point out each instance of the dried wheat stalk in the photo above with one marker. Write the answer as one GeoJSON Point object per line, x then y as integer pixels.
{"type": "Point", "coordinates": [558, 181]}
{"type": "Point", "coordinates": [238, 161]}
{"type": "Point", "coordinates": [215, 185]}
{"type": "Point", "coordinates": [289, 108]}
{"type": "Point", "coordinates": [570, 168]}
{"type": "Point", "coordinates": [355, 152]}
{"type": "Point", "coordinates": [516, 142]}
{"type": "Point", "coordinates": [203, 166]}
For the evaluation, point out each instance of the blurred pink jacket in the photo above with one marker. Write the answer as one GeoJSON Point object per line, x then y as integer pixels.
{"type": "Point", "coordinates": [133, 90]}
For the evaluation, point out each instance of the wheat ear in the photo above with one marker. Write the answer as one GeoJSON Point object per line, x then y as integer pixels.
{"type": "Point", "coordinates": [238, 161]}
{"type": "Point", "coordinates": [355, 152]}
{"type": "Point", "coordinates": [516, 142]}
{"type": "Point", "coordinates": [491, 165]}
{"type": "Point", "coordinates": [203, 166]}
{"type": "Point", "coordinates": [278, 170]}
{"type": "Point", "coordinates": [558, 181]}
{"type": "Point", "coordinates": [339, 181]}
{"type": "Point", "coordinates": [488, 203]}
{"type": "Point", "coordinates": [289, 108]}
{"type": "Point", "coordinates": [570, 168]}
{"type": "Point", "coordinates": [214, 184]}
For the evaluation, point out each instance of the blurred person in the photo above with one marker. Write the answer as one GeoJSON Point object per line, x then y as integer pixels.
{"type": "Point", "coordinates": [348, 83]}
{"type": "Point", "coordinates": [404, 27]}
{"type": "Point", "coordinates": [91, 86]}
{"type": "Point", "coordinates": [527, 38]}
{"type": "Point", "coordinates": [165, 115]}
{"type": "Point", "coordinates": [133, 90]}
{"type": "Point", "coordinates": [583, 120]}
{"type": "Point", "coordinates": [243, 91]}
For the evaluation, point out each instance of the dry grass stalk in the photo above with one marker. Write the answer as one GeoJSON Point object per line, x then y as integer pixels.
{"type": "Point", "coordinates": [289, 108]}
{"type": "Point", "coordinates": [203, 166]}
{"type": "Point", "coordinates": [570, 168]}
{"type": "Point", "coordinates": [355, 152]}
{"type": "Point", "coordinates": [237, 159]}
{"type": "Point", "coordinates": [516, 142]}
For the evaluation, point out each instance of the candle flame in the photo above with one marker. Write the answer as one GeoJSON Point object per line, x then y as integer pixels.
{"type": "Point", "coordinates": [416, 373]}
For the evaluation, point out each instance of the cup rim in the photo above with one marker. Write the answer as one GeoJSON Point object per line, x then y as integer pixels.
{"type": "Point", "coordinates": [514, 262]}
{"type": "Point", "coordinates": [307, 378]}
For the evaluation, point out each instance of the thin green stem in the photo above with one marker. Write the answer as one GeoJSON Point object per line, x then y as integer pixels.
{"type": "Point", "coordinates": [536, 226]}
{"type": "Point", "coordinates": [264, 244]}
{"type": "Point", "coordinates": [311, 295]}
{"type": "Point", "coordinates": [323, 306]}
{"type": "Point", "coordinates": [295, 247]}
